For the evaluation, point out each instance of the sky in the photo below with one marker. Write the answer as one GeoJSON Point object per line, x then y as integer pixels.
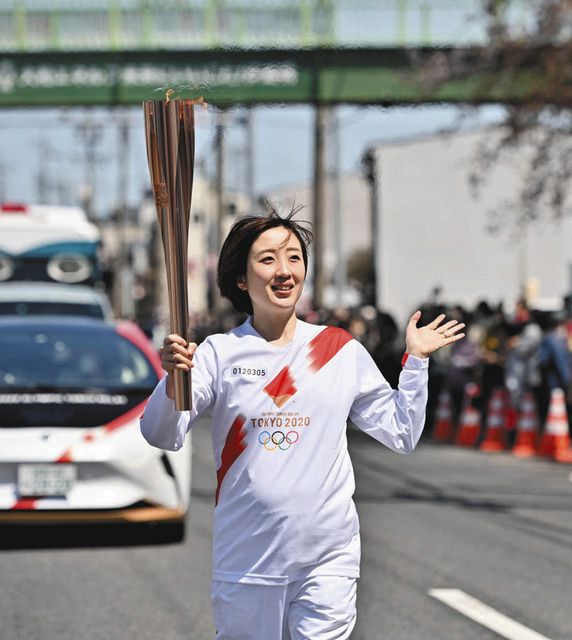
{"type": "Point", "coordinates": [47, 144]}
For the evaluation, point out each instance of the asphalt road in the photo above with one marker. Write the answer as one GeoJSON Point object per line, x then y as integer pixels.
{"type": "Point", "coordinates": [497, 528]}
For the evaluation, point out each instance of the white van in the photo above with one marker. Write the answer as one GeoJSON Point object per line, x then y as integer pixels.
{"type": "Point", "coordinates": [48, 243]}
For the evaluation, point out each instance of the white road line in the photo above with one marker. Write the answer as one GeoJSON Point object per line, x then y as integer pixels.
{"type": "Point", "coordinates": [485, 615]}
{"type": "Point", "coordinates": [570, 477]}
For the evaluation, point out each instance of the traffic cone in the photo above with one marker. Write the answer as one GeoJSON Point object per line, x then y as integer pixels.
{"type": "Point", "coordinates": [470, 423]}
{"type": "Point", "coordinates": [527, 428]}
{"type": "Point", "coordinates": [443, 429]}
{"type": "Point", "coordinates": [494, 435]}
{"type": "Point", "coordinates": [510, 412]}
{"type": "Point", "coordinates": [555, 442]}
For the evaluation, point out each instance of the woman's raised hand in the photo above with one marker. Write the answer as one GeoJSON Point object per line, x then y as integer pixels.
{"type": "Point", "coordinates": [176, 355]}
{"type": "Point", "coordinates": [423, 341]}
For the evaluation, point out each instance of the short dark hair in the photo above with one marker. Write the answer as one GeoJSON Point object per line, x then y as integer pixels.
{"type": "Point", "coordinates": [234, 253]}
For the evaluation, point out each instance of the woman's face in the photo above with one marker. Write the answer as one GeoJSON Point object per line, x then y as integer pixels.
{"type": "Point", "coordinates": [275, 271]}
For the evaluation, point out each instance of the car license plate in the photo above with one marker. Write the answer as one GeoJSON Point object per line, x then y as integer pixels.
{"type": "Point", "coordinates": [46, 479]}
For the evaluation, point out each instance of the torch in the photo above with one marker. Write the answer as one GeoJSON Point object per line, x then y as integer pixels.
{"type": "Point", "coordinates": [170, 137]}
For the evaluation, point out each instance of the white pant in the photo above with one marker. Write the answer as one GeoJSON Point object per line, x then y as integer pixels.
{"type": "Point", "coordinates": [318, 608]}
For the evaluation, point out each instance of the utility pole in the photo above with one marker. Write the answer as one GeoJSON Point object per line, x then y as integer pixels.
{"type": "Point", "coordinates": [220, 207]}
{"type": "Point", "coordinates": [249, 132]}
{"type": "Point", "coordinates": [122, 298]}
{"type": "Point", "coordinates": [43, 178]}
{"type": "Point", "coordinates": [340, 268]}
{"type": "Point", "coordinates": [319, 212]}
{"type": "Point", "coordinates": [89, 132]}
{"type": "Point", "coordinates": [220, 186]}
{"type": "Point", "coordinates": [371, 175]}
{"type": "Point", "coordinates": [246, 166]}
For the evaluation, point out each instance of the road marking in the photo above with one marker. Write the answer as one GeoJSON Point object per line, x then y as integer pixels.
{"type": "Point", "coordinates": [485, 615]}
{"type": "Point", "coordinates": [570, 477]}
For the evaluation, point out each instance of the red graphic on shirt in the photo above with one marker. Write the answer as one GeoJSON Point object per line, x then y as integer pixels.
{"type": "Point", "coordinates": [233, 447]}
{"type": "Point", "coordinates": [282, 388]}
{"type": "Point", "coordinates": [325, 346]}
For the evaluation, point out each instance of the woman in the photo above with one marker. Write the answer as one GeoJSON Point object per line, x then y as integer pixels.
{"type": "Point", "coordinates": [286, 546]}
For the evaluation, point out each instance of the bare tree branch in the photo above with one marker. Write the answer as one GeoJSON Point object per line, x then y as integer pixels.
{"type": "Point", "coordinates": [537, 62]}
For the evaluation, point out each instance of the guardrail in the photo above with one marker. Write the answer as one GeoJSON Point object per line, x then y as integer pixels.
{"type": "Point", "coordinates": [111, 25]}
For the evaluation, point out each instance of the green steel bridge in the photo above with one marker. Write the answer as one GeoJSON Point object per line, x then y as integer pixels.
{"type": "Point", "coordinates": [112, 52]}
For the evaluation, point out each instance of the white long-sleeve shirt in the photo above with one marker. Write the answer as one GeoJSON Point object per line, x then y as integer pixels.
{"type": "Point", "coordinates": [284, 507]}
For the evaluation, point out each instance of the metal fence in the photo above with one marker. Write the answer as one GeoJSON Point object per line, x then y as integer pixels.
{"type": "Point", "coordinates": [103, 25]}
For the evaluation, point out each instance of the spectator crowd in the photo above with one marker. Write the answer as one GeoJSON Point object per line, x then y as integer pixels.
{"type": "Point", "coordinates": [521, 350]}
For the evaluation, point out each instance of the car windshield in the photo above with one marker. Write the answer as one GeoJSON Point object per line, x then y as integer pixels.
{"type": "Point", "coordinates": [65, 357]}
{"type": "Point", "coordinates": [51, 308]}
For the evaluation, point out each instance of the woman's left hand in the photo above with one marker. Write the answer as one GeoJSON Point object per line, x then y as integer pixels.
{"type": "Point", "coordinates": [423, 341]}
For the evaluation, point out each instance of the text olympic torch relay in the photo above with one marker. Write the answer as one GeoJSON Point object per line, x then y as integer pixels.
{"type": "Point", "coordinates": [286, 546]}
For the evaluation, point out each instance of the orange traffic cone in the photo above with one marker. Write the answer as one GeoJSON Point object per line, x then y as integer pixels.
{"type": "Point", "coordinates": [510, 413]}
{"type": "Point", "coordinates": [555, 442]}
{"type": "Point", "coordinates": [494, 435]}
{"type": "Point", "coordinates": [470, 423]}
{"type": "Point", "coordinates": [527, 428]}
{"type": "Point", "coordinates": [443, 429]}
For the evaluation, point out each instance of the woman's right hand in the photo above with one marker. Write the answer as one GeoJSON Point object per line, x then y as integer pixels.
{"type": "Point", "coordinates": [176, 355]}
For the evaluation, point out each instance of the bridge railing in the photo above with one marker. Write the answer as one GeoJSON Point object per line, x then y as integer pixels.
{"type": "Point", "coordinates": [64, 25]}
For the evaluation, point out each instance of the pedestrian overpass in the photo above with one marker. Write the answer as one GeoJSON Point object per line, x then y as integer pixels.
{"type": "Point", "coordinates": [118, 52]}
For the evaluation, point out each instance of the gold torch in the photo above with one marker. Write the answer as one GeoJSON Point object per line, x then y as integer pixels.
{"type": "Point", "coordinates": [170, 136]}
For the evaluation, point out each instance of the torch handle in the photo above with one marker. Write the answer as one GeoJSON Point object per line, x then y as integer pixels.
{"type": "Point", "coordinates": [176, 265]}
{"type": "Point", "coordinates": [169, 132]}
{"type": "Point", "coordinates": [183, 390]}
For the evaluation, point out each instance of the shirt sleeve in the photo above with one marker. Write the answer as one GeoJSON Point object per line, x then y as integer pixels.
{"type": "Point", "coordinates": [394, 417]}
{"type": "Point", "coordinates": [164, 427]}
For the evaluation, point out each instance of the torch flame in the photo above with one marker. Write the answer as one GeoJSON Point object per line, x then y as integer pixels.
{"type": "Point", "coordinates": [188, 101]}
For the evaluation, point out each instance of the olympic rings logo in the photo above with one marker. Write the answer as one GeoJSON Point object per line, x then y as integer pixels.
{"type": "Point", "coordinates": [278, 440]}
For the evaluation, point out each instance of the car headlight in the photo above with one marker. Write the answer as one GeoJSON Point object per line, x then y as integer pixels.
{"type": "Point", "coordinates": [69, 268]}
{"type": "Point", "coordinates": [6, 268]}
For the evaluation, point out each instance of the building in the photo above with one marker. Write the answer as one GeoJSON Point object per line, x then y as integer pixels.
{"type": "Point", "coordinates": [434, 235]}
